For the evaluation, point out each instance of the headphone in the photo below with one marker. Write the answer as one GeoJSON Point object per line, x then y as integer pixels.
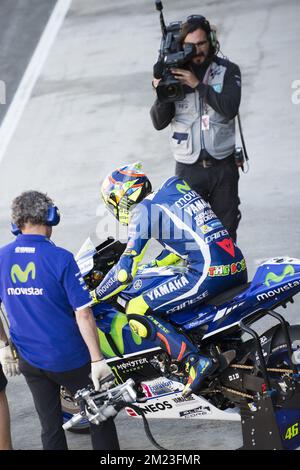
{"type": "Point", "coordinates": [202, 21]}
{"type": "Point", "coordinates": [52, 219]}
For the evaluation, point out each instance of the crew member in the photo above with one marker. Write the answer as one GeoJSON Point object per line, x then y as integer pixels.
{"type": "Point", "coordinates": [51, 323]}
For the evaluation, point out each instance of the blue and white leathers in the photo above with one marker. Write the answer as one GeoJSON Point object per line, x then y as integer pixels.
{"type": "Point", "coordinates": [191, 235]}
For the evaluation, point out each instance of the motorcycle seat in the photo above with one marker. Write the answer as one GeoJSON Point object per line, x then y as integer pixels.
{"type": "Point", "coordinates": [228, 295]}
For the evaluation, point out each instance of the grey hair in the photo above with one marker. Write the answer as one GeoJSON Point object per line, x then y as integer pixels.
{"type": "Point", "coordinates": [32, 207]}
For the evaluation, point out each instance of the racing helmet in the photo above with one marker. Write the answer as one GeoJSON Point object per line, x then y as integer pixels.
{"type": "Point", "coordinates": [123, 188]}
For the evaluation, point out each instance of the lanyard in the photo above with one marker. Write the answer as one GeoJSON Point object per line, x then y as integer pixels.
{"type": "Point", "coordinates": [205, 81]}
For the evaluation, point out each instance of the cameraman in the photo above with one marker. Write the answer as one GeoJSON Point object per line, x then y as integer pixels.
{"type": "Point", "coordinates": [202, 124]}
{"type": "Point", "coordinates": [51, 323]}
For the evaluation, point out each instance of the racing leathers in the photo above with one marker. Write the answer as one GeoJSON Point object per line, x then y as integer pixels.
{"type": "Point", "coordinates": [192, 237]}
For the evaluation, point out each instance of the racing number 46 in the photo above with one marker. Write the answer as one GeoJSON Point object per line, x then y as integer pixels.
{"type": "Point", "coordinates": [292, 432]}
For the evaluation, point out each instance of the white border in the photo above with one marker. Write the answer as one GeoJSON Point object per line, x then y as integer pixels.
{"type": "Point", "coordinates": [33, 70]}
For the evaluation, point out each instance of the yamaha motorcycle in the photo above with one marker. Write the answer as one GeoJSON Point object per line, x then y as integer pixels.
{"type": "Point", "coordinates": [258, 380]}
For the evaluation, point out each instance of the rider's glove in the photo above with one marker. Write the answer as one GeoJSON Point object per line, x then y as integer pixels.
{"type": "Point", "coordinates": [102, 375]}
{"type": "Point", "coordinates": [10, 363]}
{"type": "Point", "coordinates": [151, 264]}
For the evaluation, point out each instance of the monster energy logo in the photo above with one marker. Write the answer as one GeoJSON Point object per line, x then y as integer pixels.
{"type": "Point", "coordinates": [17, 273]}
{"type": "Point", "coordinates": [118, 378]}
{"type": "Point", "coordinates": [272, 277]}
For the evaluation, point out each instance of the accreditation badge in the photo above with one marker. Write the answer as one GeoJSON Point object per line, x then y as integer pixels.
{"type": "Point", "coordinates": [205, 122]}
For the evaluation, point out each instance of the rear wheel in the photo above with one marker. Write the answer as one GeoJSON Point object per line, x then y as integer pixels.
{"type": "Point", "coordinates": [279, 353]}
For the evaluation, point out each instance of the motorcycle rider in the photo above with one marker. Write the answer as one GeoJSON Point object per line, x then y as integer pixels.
{"type": "Point", "coordinates": [193, 237]}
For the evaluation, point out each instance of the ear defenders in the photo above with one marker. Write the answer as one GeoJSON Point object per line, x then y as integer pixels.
{"type": "Point", "coordinates": [52, 219]}
{"type": "Point", "coordinates": [211, 32]}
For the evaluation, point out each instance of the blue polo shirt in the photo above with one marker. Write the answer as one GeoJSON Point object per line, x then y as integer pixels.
{"type": "Point", "coordinates": [41, 287]}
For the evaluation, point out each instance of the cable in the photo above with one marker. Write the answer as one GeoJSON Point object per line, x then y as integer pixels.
{"type": "Point", "coordinates": [243, 143]}
{"type": "Point", "coordinates": [140, 412]}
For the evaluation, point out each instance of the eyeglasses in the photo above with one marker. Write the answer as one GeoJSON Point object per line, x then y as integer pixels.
{"type": "Point", "coordinates": [197, 44]}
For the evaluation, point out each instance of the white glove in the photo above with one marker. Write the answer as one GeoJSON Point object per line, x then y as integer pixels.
{"type": "Point", "coordinates": [101, 372]}
{"type": "Point", "coordinates": [10, 364]}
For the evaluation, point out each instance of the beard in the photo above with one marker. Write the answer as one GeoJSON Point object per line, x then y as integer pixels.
{"type": "Point", "coordinates": [199, 58]}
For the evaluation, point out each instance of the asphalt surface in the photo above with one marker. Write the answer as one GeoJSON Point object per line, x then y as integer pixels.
{"type": "Point", "coordinates": [90, 112]}
{"type": "Point", "coordinates": [21, 25]}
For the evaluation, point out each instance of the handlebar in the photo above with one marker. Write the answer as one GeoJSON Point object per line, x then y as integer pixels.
{"type": "Point", "coordinates": [99, 406]}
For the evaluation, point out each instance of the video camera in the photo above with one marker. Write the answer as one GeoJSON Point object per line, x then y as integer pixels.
{"type": "Point", "coordinates": [171, 54]}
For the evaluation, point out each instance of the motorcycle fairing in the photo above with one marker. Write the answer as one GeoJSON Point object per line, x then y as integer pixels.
{"type": "Point", "coordinates": [274, 282]}
{"type": "Point", "coordinates": [115, 336]}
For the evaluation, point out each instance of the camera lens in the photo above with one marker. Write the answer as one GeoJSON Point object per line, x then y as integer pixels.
{"type": "Point", "coordinates": [171, 91]}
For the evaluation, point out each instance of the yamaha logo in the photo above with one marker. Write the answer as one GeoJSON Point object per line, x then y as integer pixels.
{"type": "Point", "coordinates": [138, 284]}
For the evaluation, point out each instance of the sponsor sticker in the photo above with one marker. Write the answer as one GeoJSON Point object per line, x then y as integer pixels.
{"type": "Point", "coordinates": [138, 284]}
{"type": "Point", "coordinates": [22, 275]}
{"type": "Point", "coordinates": [24, 291]}
{"type": "Point", "coordinates": [215, 236]}
{"type": "Point", "coordinates": [227, 246]}
{"type": "Point", "coordinates": [275, 278]}
{"type": "Point", "coordinates": [186, 199]}
{"type": "Point", "coordinates": [227, 269]}
{"type": "Point", "coordinates": [132, 364]}
{"type": "Point", "coordinates": [25, 249]}
{"type": "Point", "coordinates": [206, 229]}
{"type": "Point", "coordinates": [189, 302]}
{"type": "Point", "coordinates": [155, 407]}
{"type": "Point", "coordinates": [280, 290]}
{"type": "Point", "coordinates": [217, 87]}
{"type": "Point", "coordinates": [159, 388]}
{"type": "Point", "coordinates": [199, 411]}
{"type": "Point", "coordinates": [204, 217]}
{"type": "Point", "coordinates": [180, 401]}
{"type": "Point", "coordinates": [167, 288]}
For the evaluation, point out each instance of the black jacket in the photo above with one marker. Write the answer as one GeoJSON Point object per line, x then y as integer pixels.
{"type": "Point", "coordinates": [225, 103]}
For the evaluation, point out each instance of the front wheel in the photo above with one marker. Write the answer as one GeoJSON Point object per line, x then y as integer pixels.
{"type": "Point", "coordinates": [69, 409]}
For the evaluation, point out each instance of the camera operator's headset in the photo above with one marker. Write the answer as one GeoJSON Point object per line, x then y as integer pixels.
{"type": "Point", "coordinates": [202, 21]}
{"type": "Point", "coordinates": [52, 219]}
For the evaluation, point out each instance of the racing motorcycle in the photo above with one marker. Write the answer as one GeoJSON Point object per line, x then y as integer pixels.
{"type": "Point", "coordinates": [258, 380]}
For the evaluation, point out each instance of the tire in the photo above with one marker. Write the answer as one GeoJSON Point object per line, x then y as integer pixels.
{"type": "Point", "coordinates": [69, 409]}
{"type": "Point", "coordinates": [279, 349]}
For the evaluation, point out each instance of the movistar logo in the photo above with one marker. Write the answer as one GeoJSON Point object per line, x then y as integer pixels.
{"type": "Point", "coordinates": [17, 273]}
{"type": "Point", "coordinates": [272, 277]}
{"type": "Point", "coordinates": [183, 188]}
